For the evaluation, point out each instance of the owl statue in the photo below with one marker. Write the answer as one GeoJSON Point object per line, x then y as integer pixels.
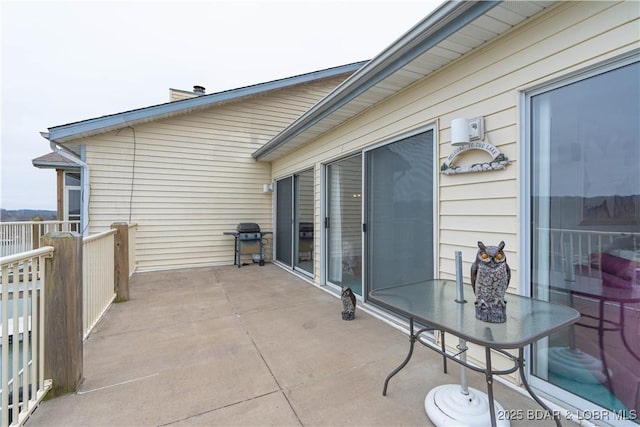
{"type": "Point", "coordinates": [490, 276]}
{"type": "Point", "coordinates": [348, 304]}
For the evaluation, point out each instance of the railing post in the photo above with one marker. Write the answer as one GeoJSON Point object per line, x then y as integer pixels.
{"type": "Point", "coordinates": [63, 313]}
{"type": "Point", "coordinates": [121, 261]}
{"type": "Point", "coordinates": [35, 233]}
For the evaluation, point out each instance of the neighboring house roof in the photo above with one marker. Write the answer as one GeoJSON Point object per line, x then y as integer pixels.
{"type": "Point", "coordinates": [85, 128]}
{"type": "Point", "coordinates": [53, 161]}
{"type": "Point", "coordinates": [449, 32]}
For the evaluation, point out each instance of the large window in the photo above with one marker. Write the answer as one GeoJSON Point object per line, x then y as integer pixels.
{"type": "Point", "coordinates": [72, 198]}
{"type": "Point", "coordinates": [585, 233]}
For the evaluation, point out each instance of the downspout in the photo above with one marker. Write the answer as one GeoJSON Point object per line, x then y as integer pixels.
{"type": "Point", "coordinates": [69, 155]}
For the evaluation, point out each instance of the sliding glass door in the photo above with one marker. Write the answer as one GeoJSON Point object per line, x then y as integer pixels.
{"type": "Point", "coordinates": [303, 223]}
{"type": "Point", "coordinates": [284, 220]}
{"type": "Point", "coordinates": [343, 223]}
{"type": "Point", "coordinates": [294, 221]}
{"type": "Point", "coordinates": [585, 234]}
{"type": "Point", "coordinates": [400, 212]}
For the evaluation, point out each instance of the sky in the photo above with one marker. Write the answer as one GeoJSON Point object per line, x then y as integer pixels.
{"type": "Point", "coordinates": [68, 61]}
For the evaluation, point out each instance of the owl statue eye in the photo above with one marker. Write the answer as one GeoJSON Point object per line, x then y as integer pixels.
{"type": "Point", "coordinates": [499, 256]}
{"type": "Point", "coordinates": [484, 255]}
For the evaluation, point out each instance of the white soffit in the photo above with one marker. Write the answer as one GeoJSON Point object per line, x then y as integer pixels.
{"type": "Point", "coordinates": [340, 105]}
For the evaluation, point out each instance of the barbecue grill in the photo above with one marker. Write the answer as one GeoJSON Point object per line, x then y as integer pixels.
{"type": "Point", "coordinates": [305, 241]}
{"type": "Point", "coordinates": [248, 240]}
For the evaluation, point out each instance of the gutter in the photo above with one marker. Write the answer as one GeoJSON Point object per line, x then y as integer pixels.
{"type": "Point", "coordinates": [69, 155]}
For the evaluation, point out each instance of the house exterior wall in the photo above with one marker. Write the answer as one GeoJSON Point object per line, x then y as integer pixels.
{"type": "Point", "coordinates": [187, 179]}
{"type": "Point", "coordinates": [488, 83]}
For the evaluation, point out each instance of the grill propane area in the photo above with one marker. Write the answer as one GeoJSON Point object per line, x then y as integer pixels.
{"type": "Point", "coordinates": [248, 240]}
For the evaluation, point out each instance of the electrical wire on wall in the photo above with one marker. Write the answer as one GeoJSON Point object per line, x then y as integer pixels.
{"type": "Point", "coordinates": [133, 170]}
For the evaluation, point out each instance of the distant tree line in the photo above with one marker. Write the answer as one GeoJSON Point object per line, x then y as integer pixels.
{"type": "Point", "coordinates": [26, 215]}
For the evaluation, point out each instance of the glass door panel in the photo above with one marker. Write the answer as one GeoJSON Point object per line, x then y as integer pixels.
{"type": "Point", "coordinates": [585, 206]}
{"type": "Point", "coordinates": [344, 223]}
{"type": "Point", "coordinates": [303, 235]}
{"type": "Point", "coordinates": [284, 220]}
{"type": "Point", "coordinates": [399, 206]}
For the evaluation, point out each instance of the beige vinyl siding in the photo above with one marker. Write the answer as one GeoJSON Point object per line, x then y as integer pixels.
{"type": "Point", "coordinates": [488, 83]}
{"type": "Point", "coordinates": [194, 177]}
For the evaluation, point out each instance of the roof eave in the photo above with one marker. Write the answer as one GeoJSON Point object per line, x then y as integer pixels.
{"type": "Point", "coordinates": [54, 165]}
{"type": "Point", "coordinates": [98, 125]}
{"type": "Point", "coordinates": [442, 22]}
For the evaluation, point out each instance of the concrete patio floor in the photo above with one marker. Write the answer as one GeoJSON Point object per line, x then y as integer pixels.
{"type": "Point", "coordinates": [250, 346]}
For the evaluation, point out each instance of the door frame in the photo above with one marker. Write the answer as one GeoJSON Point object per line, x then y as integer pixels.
{"type": "Point", "coordinates": [324, 235]}
{"type": "Point", "coordinates": [542, 386]}
{"type": "Point", "coordinates": [436, 202]}
{"type": "Point", "coordinates": [294, 208]}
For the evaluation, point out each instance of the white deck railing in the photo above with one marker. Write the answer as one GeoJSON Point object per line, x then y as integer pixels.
{"type": "Point", "coordinates": [571, 247]}
{"type": "Point", "coordinates": [24, 236]}
{"type": "Point", "coordinates": [22, 312]}
{"type": "Point", "coordinates": [22, 305]}
{"type": "Point", "coordinates": [97, 278]}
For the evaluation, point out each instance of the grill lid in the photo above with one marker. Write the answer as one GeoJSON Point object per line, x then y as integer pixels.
{"type": "Point", "coordinates": [248, 227]}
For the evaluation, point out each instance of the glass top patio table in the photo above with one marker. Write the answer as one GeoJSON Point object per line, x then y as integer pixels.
{"type": "Point", "coordinates": [434, 303]}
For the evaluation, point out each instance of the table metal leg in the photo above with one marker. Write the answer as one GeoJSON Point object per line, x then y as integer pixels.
{"type": "Point", "coordinates": [523, 377]}
{"type": "Point", "coordinates": [444, 357]}
{"type": "Point", "coordinates": [489, 375]}
{"type": "Point", "coordinates": [412, 340]}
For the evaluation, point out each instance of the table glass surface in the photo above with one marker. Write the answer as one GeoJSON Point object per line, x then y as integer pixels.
{"type": "Point", "coordinates": [433, 303]}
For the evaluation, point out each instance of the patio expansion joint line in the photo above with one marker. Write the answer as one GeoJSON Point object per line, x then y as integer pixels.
{"type": "Point", "coordinates": [80, 393]}
{"type": "Point", "coordinates": [246, 331]}
{"type": "Point", "coordinates": [280, 389]}
{"type": "Point", "coordinates": [219, 408]}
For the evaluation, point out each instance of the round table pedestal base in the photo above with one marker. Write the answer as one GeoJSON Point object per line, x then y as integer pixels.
{"type": "Point", "coordinates": [447, 406]}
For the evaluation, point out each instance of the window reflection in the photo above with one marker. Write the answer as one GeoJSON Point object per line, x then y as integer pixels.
{"type": "Point", "coordinates": [586, 233]}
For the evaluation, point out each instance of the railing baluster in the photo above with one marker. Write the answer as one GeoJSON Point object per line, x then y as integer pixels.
{"type": "Point", "coordinates": [5, 344]}
{"type": "Point", "coordinates": [26, 339]}
{"type": "Point", "coordinates": [16, 344]}
{"type": "Point", "coordinates": [35, 326]}
{"type": "Point", "coordinates": [41, 298]}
